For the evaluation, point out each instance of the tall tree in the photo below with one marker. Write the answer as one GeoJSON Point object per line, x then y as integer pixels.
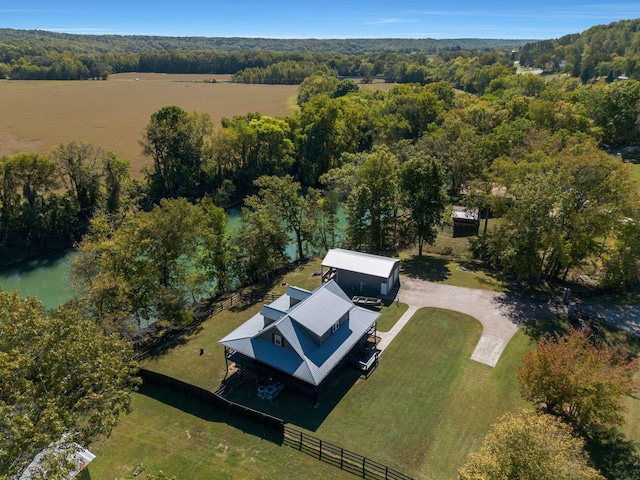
{"type": "Point", "coordinates": [421, 184]}
{"type": "Point", "coordinates": [570, 377]}
{"type": "Point", "coordinates": [329, 127]}
{"type": "Point", "coordinates": [373, 202]}
{"type": "Point", "coordinates": [59, 375]}
{"type": "Point", "coordinates": [529, 446]}
{"type": "Point", "coordinates": [78, 165]}
{"type": "Point", "coordinates": [216, 256]}
{"type": "Point", "coordinates": [116, 180]}
{"type": "Point", "coordinates": [261, 242]}
{"type": "Point", "coordinates": [296, 213]}
{"type": "Point", "coordinates": [177, 142]}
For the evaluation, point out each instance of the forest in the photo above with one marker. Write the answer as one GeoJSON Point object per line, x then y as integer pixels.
{"type": "Point", "coordinates": [606, 51]}
{"type": "Point", "coordinates": [531, 152]}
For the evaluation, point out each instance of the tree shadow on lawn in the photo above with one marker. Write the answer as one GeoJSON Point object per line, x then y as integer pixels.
{"type": "Point", "coordinates": [293, 407]}
{"type": "Point", "coordinates": [209, 413]}
{"type": "Point", "coordinates": [426, 268]}
{"type": "Point", "coordinates": [613, 455]}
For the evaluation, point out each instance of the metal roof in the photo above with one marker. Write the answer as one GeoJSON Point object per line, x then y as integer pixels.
{"type": "Point", "coordinates": [366, 263]}
{"type": "Point", "coordinates": [305, 359]}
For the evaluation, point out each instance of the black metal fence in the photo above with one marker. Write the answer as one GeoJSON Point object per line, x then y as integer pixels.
{"type": "Point", "coordinates": [210, 398]}
{"type": "Point", "coordinates": [339, 457]}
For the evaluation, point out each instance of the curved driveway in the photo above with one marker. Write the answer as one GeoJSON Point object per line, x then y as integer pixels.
{"type": "Point", "coordinates": [499, 313]}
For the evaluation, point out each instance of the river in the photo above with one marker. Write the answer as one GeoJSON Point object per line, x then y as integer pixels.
{"type": "Point", "coordinates": [48, 278]}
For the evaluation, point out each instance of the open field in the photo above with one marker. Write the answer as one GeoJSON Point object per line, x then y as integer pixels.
{"type": "Point", "coordinates": [38, 115]}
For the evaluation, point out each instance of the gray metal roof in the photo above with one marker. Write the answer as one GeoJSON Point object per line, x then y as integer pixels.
{"type": "Point", "coordinates": [305, 360]}
{"type": "Point", "coordinates": [359, 262]}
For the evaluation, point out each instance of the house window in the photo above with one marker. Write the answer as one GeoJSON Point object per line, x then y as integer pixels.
{"type": "Point", "coordinates": [277, 339]}
{"type": "Point", "coordinates": [335, 326]}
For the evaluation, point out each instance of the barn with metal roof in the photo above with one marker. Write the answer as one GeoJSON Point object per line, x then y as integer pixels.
{"type": "Point", "coordinates": [304, 339]}
{"type": "Point", "coordinates": [359, 272]}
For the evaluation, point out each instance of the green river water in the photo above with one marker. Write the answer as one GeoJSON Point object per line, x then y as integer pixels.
{"type": "Point", "coordinates": [48, 278]}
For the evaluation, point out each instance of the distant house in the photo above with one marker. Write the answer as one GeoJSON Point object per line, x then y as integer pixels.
{"type": "Point", "coordinates": [304, 339]}
{"type": "Point", "coordinates": [361, 272]}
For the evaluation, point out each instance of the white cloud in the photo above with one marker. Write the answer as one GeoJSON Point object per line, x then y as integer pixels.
{"type": "Point", "coordinates": [391, 21]}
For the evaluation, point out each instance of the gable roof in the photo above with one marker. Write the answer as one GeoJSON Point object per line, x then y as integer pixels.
{"type": "Point", "coordinates": [316, 314]}
{"type": "Point", "coordinates": [366, 263]}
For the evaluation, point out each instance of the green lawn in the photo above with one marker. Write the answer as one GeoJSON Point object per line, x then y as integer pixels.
{"type": "Point", "coordinates": [424, 408]}
{"type": "Point", "coordinates": [187, 439]}
{"type": "Point", "coordinates": [440, 269]}
{"type": "Point", "coordinates": [635, 172]}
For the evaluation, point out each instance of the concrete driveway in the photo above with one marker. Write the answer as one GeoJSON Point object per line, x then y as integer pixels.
{"type": "Point", "coordinates": [500, 314]}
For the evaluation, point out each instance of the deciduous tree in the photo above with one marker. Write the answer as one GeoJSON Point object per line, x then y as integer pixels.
{"type": "Point", "coordinates": [421, 184]}
{"type": "Point", "coordinates": [177, 142]}
{"type": "Point", "coordinates": [295, 212]}
{"type": "Point", "coordinates": [529, 446]}
{"type": "Point", "coordinates": [78, 165]}
{"type": "Point", "coordinates": [373, 202]}
{"type": "Point", "coordinates": [570, 377]}
{"type": "Point", "coordinates": [59, 375]}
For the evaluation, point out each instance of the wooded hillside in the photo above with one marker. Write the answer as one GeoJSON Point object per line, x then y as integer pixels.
{"type": "Point", "coordinates": [601, 51]}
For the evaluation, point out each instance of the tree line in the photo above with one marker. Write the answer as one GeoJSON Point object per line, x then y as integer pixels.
{"type": "Point", "coordinates": [603, 51]}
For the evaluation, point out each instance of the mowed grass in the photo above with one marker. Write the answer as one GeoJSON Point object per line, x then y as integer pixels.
{"type": "Point", "coordinates": [38, 115]}
{"type": "Point", "coordinates": [191, 441]}
{"type": "Point", "coordinates": [635, 173]}
{"type": "Point", "coordinates": [424, 408]}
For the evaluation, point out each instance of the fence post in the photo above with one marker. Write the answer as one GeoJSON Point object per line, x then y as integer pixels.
{"type": "Point", "coordinates": [386, 472]}
{"type": "Point", "coordinates": [320, 453]}
{"type": "Point", "coordinates": [341, 458]}
{"type": "Point", "coordinates": [364, 467]}
{"type": "Point", "coordinates": [300, 442]}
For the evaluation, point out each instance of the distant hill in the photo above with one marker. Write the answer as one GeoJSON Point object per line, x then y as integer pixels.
{"type": "Point", "coordinates": [603, 51]}
{"type": "Point", "coordinates": [142, 43]}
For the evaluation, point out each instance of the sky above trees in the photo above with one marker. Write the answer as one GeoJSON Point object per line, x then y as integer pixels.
{"type": "Point", "coordinates": [544, 19]}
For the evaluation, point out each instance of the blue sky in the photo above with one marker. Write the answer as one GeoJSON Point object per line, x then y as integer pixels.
{"type": "Point", "coordinates": [541, 19]}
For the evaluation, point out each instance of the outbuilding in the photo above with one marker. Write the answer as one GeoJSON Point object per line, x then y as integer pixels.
{"type": "Point", "coordinates": [363, 273]}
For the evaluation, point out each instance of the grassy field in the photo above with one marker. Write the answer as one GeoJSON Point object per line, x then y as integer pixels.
{"type": "Point", "coordinates": [38, 115]}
